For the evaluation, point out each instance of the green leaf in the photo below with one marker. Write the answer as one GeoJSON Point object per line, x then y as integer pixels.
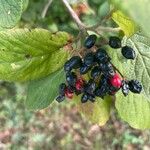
{"type": "Point", "coordinates": [134, 109]}
{"type": "Point", "coordinates": [97, 112]}
{"type": "Point", "coordinates": [10, 13]}
{"type": "Point", "coordinates": [125, 23]}
{"type": "Point", "coordinates": [42, 92]}
{"type": "Point", "coordinates": [31, 54]}
{"type": "Point", "coordinates": [138, 11]}
{"type": "Point", "coordinates": [140, 67]}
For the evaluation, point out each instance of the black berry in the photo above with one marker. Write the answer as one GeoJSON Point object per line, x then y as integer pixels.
{"type": "Point", "coordinates": [71, 78]}
{"type": "Point", "coordinates": [60, 98]}
{"type": "Point", "coordinates": [128, 52]}
{"type": "Point", "coordinates": [90, 87]}
{"type": "Point", "coordinates": [89, 59]}
{"type": "Point", "coordinates": [74, 63]}
{"type": "Point", "coordinates": [84, 69]}
{"type": "Point", "coordinates": [135, 86]}
{"type": "Point", "coordinates": [114, 42]}
{"type": "Point", "coordinates": [95, 73]}
{"type": "Point", "coordinates": [125, 88]}
{"type": "Point", "coordinates": [90, 41]}
{"type": "Point", "coordinates": [107, 69]}
{"type": "Point", "coordinates": [84, 98]}
{"type": "Point", "coordinates": [62, 88]}
{"type": "Point", "coordinates": [101, 56]}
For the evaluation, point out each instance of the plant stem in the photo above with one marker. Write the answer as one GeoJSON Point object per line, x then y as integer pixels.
{"type": "Point", "coordinates": [96, 28]}
{"type": "Point", "coordinates": [44, 12]}
{"type": "Point", "coordinates": [75, 17]}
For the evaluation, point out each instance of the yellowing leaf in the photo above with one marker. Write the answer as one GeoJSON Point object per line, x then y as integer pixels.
{"type": "Point", "coordinates": [97, 112]}
{"type": "Point", "coordinates": [125, 23]}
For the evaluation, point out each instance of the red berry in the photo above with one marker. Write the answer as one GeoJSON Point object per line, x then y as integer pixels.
{"type": "Point", "coordinates": [116, 81]}
{"type": "Point", "coordinates": [68, 93]}
{"type": "Point", "coordinates": [79, 84]}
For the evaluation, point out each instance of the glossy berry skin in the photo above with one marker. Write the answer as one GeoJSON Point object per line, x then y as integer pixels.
{"type": "Point", "coordinates": [71, 78]}
{"type": "Point", "coordinates": [84, 69]}
{"type": "Point", "coordinates": [114, 42]}
{"type": "Point", "coordinates": [84, 98]}
{"type": "Point", "coordinates": [95, 73]}
{"type": "Point", "coordinates": [73, 63]}
{"type": "Point", "coordinates": [112, 90]}
{"type": "Point", "coordinates": [103, 87]}
{"type": "Point", "coordinates": [128, 52]}
{"type": "Point", "coordinates": [101, 56]}
{"type": "Point", "coordinates": [91, 98]}
{"type": "Point", "coordinates": [125, 88]}
{"type": "Point", "coordinates": [90, 87]}
{"type": "Point", "coordinates": [90, 41]}
{"type": "Point", "coordinates": [107, 69]}
{"type": "Point", "coordinates": [69, 93]}
{"type": "Point", "coordinates": [60, 98]}
{"type": "Point", "coordinates": [79, 85]}
{"type": "Point", "coordinates": [62, 88]}
{"type": "Point", "coordinates": [89, 59]}
{"type": "Point", "coordinates": [115, 81]}
{"type": "Point", "coordinates": [135, 86]}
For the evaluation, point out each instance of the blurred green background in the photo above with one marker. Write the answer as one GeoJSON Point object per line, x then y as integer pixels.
{"type": "Point", "coordinates": [60, 126]}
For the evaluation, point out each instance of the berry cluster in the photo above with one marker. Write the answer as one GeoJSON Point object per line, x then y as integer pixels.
{"type": "Point", "coordinates": [104, 78]}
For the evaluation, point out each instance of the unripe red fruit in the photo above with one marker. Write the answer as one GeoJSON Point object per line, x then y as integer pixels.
{"type": "Point", "coordinates": [79, 84]}
{"type": "Point", "coordinates": [116, 81]}
{"type": "Point", "coordinates": [68, 93]}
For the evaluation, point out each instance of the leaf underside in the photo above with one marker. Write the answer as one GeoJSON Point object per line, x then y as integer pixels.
{"type": "Point", "coordinates": [42, 92]}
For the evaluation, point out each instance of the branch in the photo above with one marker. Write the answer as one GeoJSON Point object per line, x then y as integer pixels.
{"type": "Point", "coordinates": [96, 28]}
{"type": "Point", "coordinates": [44, 12]}
{"type": "Point", "coordinates": [75, 17]}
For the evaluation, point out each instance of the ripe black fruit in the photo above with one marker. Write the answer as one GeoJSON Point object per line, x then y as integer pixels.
{"type": "Point", "coordinates": [95, 73]}
{"type": "Point", "coordinates": [135, 86]}
{"type": "Point", "coordinates": [62, 88]}
{"type": "Point", "coordinates": [73, 63]}
{"type": "Point", "coordinates": [90, 87]}
{"type": "Point", "coordinates": [125, 88]}
{"type": "Point", "coordinates": [101, 56]}
{"type": "Point", "coordinates": [84, 98]}
{"type": "Point", "coordinates": [128, 52]}
{"type": "Point", "coordinates": [60, 98]}
{"type": "Point", "coordinates": [114, 42]}
{"type": "Point", "coordinates": [84, 69]}
{"type": "Point", "coordinates": [89, 59]}
{"type": "Point", "coordinates": [71, 78]}
{"type": "Point", "coordinates": [107, 69]}
{"type": "Point", "coordinates": [90, 41]}
{"type": "Point", "coordinates": [91, 98]}
{"type": "Point", "coordinates": [103, 87]}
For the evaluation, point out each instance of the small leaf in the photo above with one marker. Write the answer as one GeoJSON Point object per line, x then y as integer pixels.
{"type": "Point", "coordinates": [137, 10]}
{"type": "Point", "coordinates": [97, 112]}
{"type": "Point", "coordinates": [31, 54]}
{"type": "Point", "coordinates": [140, 67]}
{"type": "Point", "coordinates": [125, 23]}
{"type": "Point", "coordinates": [134, 109]}
{"type": "Point", "coordinates": [10, 13]}
{"type": "Point", "coordinates": [42, 92]}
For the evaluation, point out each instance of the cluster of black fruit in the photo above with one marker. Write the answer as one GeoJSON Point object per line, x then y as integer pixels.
{"type": "Point", "coordinates": [104, 78]}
